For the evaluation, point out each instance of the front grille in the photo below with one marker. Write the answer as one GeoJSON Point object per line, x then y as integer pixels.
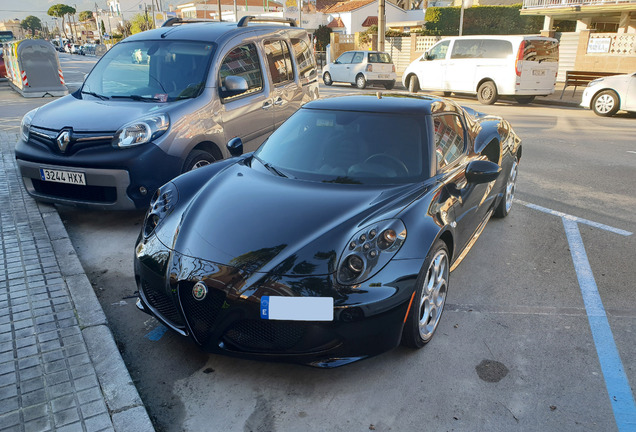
{"type": "Point", "coordinates": [101, 194]}
{"type": "Point", "coordinates": [79, 140]}
{"type": "Point", "coordinates": [162, 303]}
{"type": "Point", "coordinates": [264, 336]}
{"type": "Point", "coordinates": [201, 314]}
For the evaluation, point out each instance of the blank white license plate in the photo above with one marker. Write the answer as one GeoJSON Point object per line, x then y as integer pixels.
{"type": "Point", "coordinates": [538, 72]}
{"type": "Point", "coordinates": [59, 176]}
{"type": "Point", "coordinates": [297, 308]}
{"type": "Point", "coordinates": [383, 76]}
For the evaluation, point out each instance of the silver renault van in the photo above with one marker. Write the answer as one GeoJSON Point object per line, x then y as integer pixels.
{"type": "Point", "coordinates": [161, 103]}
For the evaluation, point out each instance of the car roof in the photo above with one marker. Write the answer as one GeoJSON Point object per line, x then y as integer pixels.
{"type": "Point", "coordinates": [205, 31]}
{"type": "Point", "coordinates": [394, 103]}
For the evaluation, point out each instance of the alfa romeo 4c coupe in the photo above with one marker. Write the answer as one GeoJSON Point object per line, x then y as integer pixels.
{"type": "Point", "coordinates": [333, 241]}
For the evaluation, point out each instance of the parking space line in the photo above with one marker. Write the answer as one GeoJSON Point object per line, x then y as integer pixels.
{"type": "Point", "coordinates": [576, 219]}
{"type": "Point", "coordinates": [616, 382]}
{"type": "Point", "coordinates": [156, 333]}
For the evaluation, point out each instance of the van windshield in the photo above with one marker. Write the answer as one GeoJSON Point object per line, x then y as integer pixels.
{"type": "Point", "coordinates": [158, 71]}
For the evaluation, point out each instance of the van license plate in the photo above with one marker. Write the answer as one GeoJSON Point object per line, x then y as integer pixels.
{"type": "Point", "coordinates": [383, 76]}
{"type": "Point", "coordinates": [538, 72]}
{"type": "Point", "coordinates": [58, 176]}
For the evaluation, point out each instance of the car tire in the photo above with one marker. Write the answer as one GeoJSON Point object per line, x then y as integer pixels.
{"type": "Point", "coordinates": [487, 93]}
{"type": "Point", "coordinates": [606, 103]}
{"type": "Point", "coordinates": [414, 84]}
{"type": "Point", "coordinates": [326, 78]}
{"type": "Point", "coordinates": [524, 100]}
{"type": "Point", "coordinates": [504, 206]}
{"type": "Point", "coordinates": [447, 93]}
{"type": "Point", "coordinates": [361, 81]}
{"type": "Point", "coordinates": [197, 159]}
{"type": "Point", "coordinates": [390, 85]}
{"type": "Point", "coordinates": [427, 304]}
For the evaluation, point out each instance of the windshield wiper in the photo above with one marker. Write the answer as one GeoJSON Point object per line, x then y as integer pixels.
{"type": "Point", "coordinates": [102, 97]}
{"type": "Point", "coordinates": [271, 168]}
{"type": "Point", "coordinates": [137, 98]}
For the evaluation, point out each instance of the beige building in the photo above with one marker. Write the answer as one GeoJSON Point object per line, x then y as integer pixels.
{"type": "Point", "coordinates": [13, 26]}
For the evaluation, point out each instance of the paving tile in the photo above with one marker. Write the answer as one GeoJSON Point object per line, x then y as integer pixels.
{"type": "Point", "coordinates": [42, 424]}
{"type": "Point", "coordinates": [99, 423]}
{"type": "Point", "coordinates": [66, 417]}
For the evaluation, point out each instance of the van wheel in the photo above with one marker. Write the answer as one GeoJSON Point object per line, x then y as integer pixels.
{"type": "Point", "coordinates": [487, 93]}
{"type": "Point", "coordinates": [414, 84]}
{"type": "Point", "coordinates": [326, 78]}
{"type": "Point", "coordinates": [361, 82]}
{"type": "Point", "coordinates": [447, 94]}
{"type": "Point", "coordinates": [197, 159]}
{"type": "Point", "coordinates": [389, 85]}
{"type": "Point", "coordinates": [523, 100]}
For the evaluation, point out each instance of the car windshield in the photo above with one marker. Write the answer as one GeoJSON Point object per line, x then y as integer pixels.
{"type": "Point", "coordinates": [348, 147]}
{"type": "Point", "coordinates": [379, 58]}
{"type": "Point", "coordinates": [151, 70]}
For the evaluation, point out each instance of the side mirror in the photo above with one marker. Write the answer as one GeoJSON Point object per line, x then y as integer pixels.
{"type": "Point", "coordinates": [425, 57]}
{"type": "Point", "coordinates": [482, 171]}
{"type": "Point", "coordinates": [235, 146]}
{"type": "Point", "coordinates": [234, 85]}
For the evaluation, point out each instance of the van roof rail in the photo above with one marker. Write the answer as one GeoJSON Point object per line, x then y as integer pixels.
{"type": "Point", "coordinates": [243, 22]}
{"type": "Point", "coordinates": [177, 21]}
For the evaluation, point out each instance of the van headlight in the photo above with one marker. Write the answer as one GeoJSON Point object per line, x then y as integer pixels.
{"type": "Point", "coordinates": [141, 131]}
{"type": "Point", "coordinates": [369, 250]}
{"type": "Point", "coordinates": [25, 125]}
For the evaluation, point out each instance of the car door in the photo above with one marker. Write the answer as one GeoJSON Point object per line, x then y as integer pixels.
{"type": "Point", "coordinates": [453, 157]}
{"type": "Point", "coordinates": [286, 92]}
{"type": "Point", "coordinates": [357, 66]}
{"type": "Point", "coordinates": [430, 70]}
{"type": "Point", "coordinates": [340, 68]}
{"type": "Point", "coordinates": [249, 115]}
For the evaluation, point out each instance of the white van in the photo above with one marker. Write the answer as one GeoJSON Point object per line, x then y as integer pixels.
{"type": "Point", "coordinates": [490, 66]}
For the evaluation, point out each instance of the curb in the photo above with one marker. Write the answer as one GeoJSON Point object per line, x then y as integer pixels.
{"type": "Point", "coordinates": [125, 406]}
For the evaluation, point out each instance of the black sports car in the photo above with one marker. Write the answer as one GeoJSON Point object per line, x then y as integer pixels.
{"type": "Point", "coordinates": [335, 239]}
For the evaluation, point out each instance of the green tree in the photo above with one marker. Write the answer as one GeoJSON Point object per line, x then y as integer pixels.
{"type": "Point", "coordinates": [103, 27]}
{"type": "Point", "coordinates": [139, 23]}
{"type": "Point", "coordinates": [31, 23]}
{"type": "Point", "coordinates": [323, 37]}
{"type": "Point", "coordinates": [85, 15]}
{"type": "Point", "coordinates": [60, 11]}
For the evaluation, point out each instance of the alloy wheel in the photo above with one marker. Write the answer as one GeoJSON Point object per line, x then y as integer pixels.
{"type": "Point", "coordinates": [433, 295]}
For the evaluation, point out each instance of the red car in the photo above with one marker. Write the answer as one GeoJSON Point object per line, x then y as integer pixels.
{"type": "Point", "coordinates": [3, 69]}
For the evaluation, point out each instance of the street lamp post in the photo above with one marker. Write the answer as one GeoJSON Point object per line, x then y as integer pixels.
{"type": "Point", "coordinates": [381, 24]}
{"type": "Point", "coordinates": [461, 18]}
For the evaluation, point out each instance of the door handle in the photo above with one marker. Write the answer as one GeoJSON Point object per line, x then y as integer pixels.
{"type": "Point", "coordinates": [267, 104]}
{"type": "Point", "coordinates": [279, 101]}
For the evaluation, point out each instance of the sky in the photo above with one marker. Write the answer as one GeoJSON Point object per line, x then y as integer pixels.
{"type": "Point", "coordinates": [20, 9]}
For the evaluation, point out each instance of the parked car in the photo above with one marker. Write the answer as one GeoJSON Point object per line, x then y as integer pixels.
{"type": "Point", "coordinates": [489, 66]}
{"type": "Point", "coordinates": [365, 204]}
{"type": "Point", "coordinates": [605, 96]}
{"type": "Point", "coordinates": [3, 68]}
{"type": "Point", "coordinates": [361, 68]}
{"type": "Point", "coordinates": [77, 49]}
{"type": "Point", "coordinates": [132, 126]}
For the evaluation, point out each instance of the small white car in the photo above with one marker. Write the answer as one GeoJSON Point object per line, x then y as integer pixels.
{"type": "Point", "coordinates": [361, 68]}
{"type": "Point", "coordinates": [605, 96]}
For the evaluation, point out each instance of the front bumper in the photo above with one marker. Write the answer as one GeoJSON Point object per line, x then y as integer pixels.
{"type": "Point", "coordinates": [116, 179]}
{"type": "Point", "coordinates": [368, 319]}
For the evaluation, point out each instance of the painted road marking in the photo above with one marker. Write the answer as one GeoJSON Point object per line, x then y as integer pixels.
{"type": "Point", "coordinates": [575, 219]}
{"type": "Point", "coordinates": [156, 334]}
{"type": "Point", "coordinates": [616, 382]}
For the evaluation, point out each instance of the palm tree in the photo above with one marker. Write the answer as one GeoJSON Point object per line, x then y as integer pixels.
{"type": "Point", "coordinates": [60, 11]}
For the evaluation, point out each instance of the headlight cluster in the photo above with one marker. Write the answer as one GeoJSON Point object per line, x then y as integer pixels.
{"type": "Point", "coordinates": [594, 82]}
{"type": "Point", "coordinates": [161, 205]}
{"type": "Point", "coordinates": [25, 125]}
{"type": "Point", "coordinates": [141, 131]}
{"type": "Point", "coordinates": [369, 250]}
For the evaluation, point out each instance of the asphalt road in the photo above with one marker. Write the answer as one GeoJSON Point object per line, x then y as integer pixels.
{"type": "Point", "coordinates": [514, 351]}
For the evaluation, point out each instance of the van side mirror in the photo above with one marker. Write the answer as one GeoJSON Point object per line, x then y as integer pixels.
{"type": "Point", "coordinates": [235, 146]}
{"type": "Point", "coordinates": [234, 86]}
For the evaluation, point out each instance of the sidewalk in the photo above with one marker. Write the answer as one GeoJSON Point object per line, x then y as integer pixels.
{"type": "Point", "coordinates": [59, 365]}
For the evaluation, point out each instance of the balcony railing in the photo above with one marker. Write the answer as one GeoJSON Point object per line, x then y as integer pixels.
{"type": "Point", "coordinates": [544, 4]}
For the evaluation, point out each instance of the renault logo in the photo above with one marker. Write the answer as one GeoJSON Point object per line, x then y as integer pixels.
{"type": "Point", "coordinates": [63, 139]}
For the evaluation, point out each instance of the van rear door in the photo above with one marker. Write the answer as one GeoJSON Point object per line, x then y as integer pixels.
{"type": "Point", "coordinates": [537, 65]}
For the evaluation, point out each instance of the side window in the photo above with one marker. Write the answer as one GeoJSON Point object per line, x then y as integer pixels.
{"type": "Point", "coordinates": [279, 61]}
{"type": "Point", "coordinates": [438, 52]}
{"type": "Point", "coordinates": [495, 48]}
{"type": "Point", "coordinates": [358, 57]}
{"type": "Point", "coordinates": [466, 49]}
{"type": "Point", "coordinates": [345, 58]}
{"type": "Point", "coordinates": [305, 61]}
{"type": "Point", "coordinates": [243, 61]}
{"type": "Point", "coordinates": [449, 139]}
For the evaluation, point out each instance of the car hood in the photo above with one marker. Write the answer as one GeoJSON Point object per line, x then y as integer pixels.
{"type": "Point", "coordinates": [260, 222]}
{"type": "Point", "coordinates": [92, 114]}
